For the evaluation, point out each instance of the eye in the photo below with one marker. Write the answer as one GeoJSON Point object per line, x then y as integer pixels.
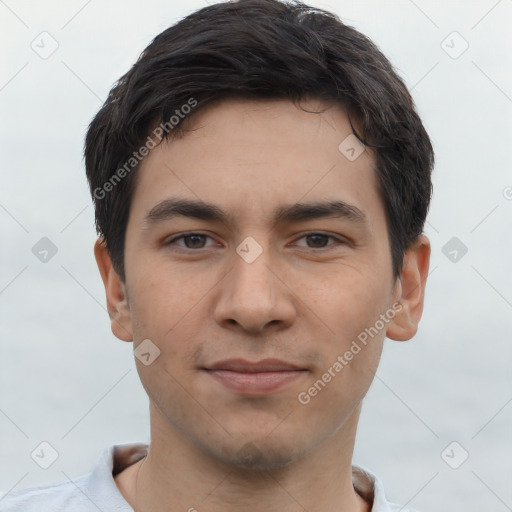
{"type": "Point", "coordinates": [319, 241]}
{"type": "Point", "coordinates": [196, 241]}
{"type": "Point", "coordinates": [191, 241]}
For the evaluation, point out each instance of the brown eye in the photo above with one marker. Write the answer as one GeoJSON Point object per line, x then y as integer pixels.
{"type": "Point", "coordinates": [317, 241]}
{"type": "Point", "coordinates": [190, 241]}
{"type": "Point", "coordinates": [320, 241]}
{"type": "Point", "coordinates": [194, 241]}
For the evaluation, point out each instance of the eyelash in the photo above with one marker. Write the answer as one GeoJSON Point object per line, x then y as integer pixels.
{"type": "Point", "coordinates": [313, 233]}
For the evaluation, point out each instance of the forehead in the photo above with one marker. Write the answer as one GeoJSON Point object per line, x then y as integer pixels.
{"type": "Point", "coordinates": [252, 156]}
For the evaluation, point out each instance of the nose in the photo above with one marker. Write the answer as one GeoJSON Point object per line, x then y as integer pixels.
{"type": "Point", "coordinates": [254, 296]}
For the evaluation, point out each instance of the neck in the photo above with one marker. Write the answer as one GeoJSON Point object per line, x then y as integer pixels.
{"type": "Point", "coordinates": [177, 476]}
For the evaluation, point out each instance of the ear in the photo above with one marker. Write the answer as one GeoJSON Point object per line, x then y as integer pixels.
{"type": "Point", "coordinates": [410, 291]}
{"type": "Point", "coordinates": [115, 289]}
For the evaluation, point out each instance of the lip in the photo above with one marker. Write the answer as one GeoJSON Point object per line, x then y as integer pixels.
{"type": "Point", "coordinates": [255, 378]}
{"type": "Point", "coordinates": [244, 366]}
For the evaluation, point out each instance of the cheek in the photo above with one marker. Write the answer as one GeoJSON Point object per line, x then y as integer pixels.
{"type": "Point", "coordinates": [346, 300]}
{"type": "Point", "coordinates": [177, 335]}
{"type": "Point", "coordinates": [349, 304]}
{"type": "Point", "coordinates": [166, 309]}
{"type": "Point", "coordinates": [164, 299]}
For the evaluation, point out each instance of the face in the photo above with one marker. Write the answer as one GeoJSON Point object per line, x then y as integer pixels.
{"type": "Point", "coordinates": [257, 302]}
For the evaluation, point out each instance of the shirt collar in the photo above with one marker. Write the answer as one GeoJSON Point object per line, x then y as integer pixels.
{"type": "Point", "coordinates": [114, 459]}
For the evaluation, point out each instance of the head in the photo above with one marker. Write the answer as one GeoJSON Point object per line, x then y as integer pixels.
{"type": "Point", "coordinates": [233, 125]}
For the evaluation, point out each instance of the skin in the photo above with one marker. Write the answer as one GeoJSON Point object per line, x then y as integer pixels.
{"type": "Point", "coordinates": [303, 300]}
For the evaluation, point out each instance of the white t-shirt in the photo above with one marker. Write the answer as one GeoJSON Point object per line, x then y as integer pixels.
{"type": "Point", "coordinates": [97, 490]}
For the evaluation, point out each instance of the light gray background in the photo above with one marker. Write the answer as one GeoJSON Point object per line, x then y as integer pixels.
{"type": "Point", "coordinates": [65, 379]}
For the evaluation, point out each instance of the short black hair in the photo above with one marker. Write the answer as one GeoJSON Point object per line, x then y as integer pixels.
{"type": "Point", "coordinates": [259, 49]}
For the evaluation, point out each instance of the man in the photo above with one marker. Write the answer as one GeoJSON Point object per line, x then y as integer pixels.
{"type": "Point", "coordinates": [261, 180]}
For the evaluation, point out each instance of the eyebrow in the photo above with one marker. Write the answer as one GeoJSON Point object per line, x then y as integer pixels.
{"type": "Point", "coordinates": [197, 209]}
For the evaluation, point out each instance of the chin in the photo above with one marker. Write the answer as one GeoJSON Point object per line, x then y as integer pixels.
{"type": "Point", "coordinates": [256, 456]}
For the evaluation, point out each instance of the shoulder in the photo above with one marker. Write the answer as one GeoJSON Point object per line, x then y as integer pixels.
{"type": "Point", "coordinates": [91, 492]}
{"type": "Point", "coordinates": [59, 496]}
{"type": "Point", "coordinates": [370, 487]}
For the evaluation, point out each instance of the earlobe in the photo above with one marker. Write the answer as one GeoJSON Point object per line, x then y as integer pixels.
{"type": "Point", "coordinates": [115, 290]}
{"type": "Point", "coordinates": [410, 291]}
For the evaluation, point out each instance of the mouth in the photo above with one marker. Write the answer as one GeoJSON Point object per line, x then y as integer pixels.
{"type": "Point", "coordinates": [255, 378]}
